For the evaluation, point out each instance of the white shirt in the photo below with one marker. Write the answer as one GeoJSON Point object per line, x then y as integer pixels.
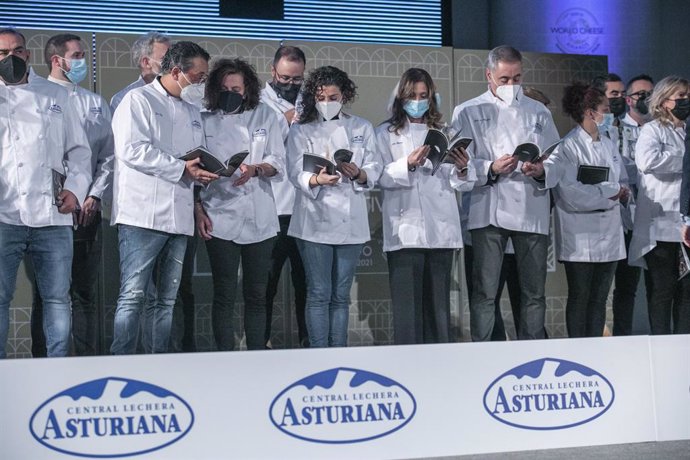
{"type": "Point", "coordinates": [588, 225]}
{"type": "Point", "coordinates": [96, 120]}
{"type": "Point", "coordinates": [39, 131]}
{"type": "Point", "coordinates": [659, 157]}
{"type": "Point", "coordinates": [247, 213]}
{"type": "Point", "coordinates": [514, 201]}
{"type": "Point", "coordinates": [117, 98]}
{"type": "Point", "coordinates": [283, 190]}
{"type": "Point", "coordinates": [332, 214]}
{"type": "Point", "coordinates": [152, 131]}
{"type": "Point", "coordinates": [419, 210]}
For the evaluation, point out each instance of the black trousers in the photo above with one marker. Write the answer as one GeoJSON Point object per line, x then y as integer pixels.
{"type": "Point", "coordinates": [285, 248]}
{"type": "Point", "coordinates": [420, 294]}
{"type": "Point", "coordinates": [668, 299]}
{"type": "Point", "coordinates": [588, 288]}
{"type": "Point", "coordinates": [626, 280]}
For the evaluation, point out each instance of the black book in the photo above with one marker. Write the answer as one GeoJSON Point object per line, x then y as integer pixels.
{"type": "Point", "coordinates": [592, 175]}
{"type": "Point", "coordinates": [683, 262]}
{"type": "Point", "coordinates": [440, 145]}
{"type": "Point", "coordinates": [212, 164]}
{"type": "Point", "coordinates": [532, 153]}
{"type": "Point", "coordinates": [313, 163]}
{"type": "Point", "coordinates": [58, 185]}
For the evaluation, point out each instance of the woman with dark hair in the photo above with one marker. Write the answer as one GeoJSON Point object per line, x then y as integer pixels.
{"type": "Point", "coordinates": [237, 215]}
{"type": "Point", "coordinates": [589, 231]}
{"type": "Point", "coordinates": [421, 221]}
{"type": "Point", "coordinates": [330, 218]}
{"type": "Point", "coordinates": [656, 241]}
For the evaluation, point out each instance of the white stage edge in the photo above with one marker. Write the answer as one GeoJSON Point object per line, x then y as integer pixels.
{"type": "Point", "coordinates": [365, 402]}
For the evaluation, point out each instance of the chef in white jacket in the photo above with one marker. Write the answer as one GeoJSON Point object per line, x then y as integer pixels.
{"type": "Point", "coordinates": [282, 94]}
{"type": "Point", "coordinates": [507, 201]}
{"type": "Point", "coordinates": [67, 65]}
{"type": "Point", "coordinates": [655, 245]}
{"type": "Point", "coordinates": [153, 127]}
{"type": "Point", "coordinates": [237, 215]}
{"type": "Point", "coordinates": [588, 226]}
{"type": "Point", "coordinates": [330, 214]}
{"type": "Point", "coordinates": [421, 220]}
{"type": "Point", "coordinates": [40, 138]}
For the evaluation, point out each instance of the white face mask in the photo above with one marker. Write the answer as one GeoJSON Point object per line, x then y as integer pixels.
{"type": "Point", "coordinates": [192, 93]}
{"type": "Point", "coordinates": [330, 109]}
{"type": "Point", "coordinates": [509, 93]}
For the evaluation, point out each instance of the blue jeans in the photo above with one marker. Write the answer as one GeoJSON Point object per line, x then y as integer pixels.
{"type": "Point", "coordinates": [330, 271]}
{"type": "Point", "coordinates": [139, 250]}
{"type": "Point", "coordinates": [50, 249]}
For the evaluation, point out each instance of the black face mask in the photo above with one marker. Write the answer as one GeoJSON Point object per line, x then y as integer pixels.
{"type": "Point", "coordinates": [641, 105]}
{"type": "Point", "coordinates": [682, 109]}
{"type": "Point", "coordinates": [617, 106]}
{"type": "Point", "coordinates": [230, 101]}
{"type": "Point", "coordinates": [12, 69]}
{"type": "Point", "coordinates": [287, 91]}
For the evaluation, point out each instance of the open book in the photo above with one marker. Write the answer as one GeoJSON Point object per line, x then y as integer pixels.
{"type": "Point", "coordinates": [313, 163]}
{"type": "Point", "coordinates": [531, 152]}
{"type": "Point", "coordinates": [592, 175]}
{"type": "Point", "coordinates": [440, 145]}
{"type": "Point", "coordinates": [683, 261]}
{"type": "Point", "coordinates": [58, 184]}
{"type": "Point", "coordinates": [212, 164]}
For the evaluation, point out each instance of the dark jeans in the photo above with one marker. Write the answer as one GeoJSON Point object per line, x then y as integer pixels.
{"type": "Point", "coordinates": [667, 297]}
{"type": "Point", "coordinates": [626, 281]}
{"type": "Point", "coordinates": [286, 248]}
{"type": "Point", "coordinates": [509, 276]}
{"type": "Point", "coordinates": [489, 244]}
{"type": "Point", "coordinates": [256, 263]}
{"type": "Point", "coordinates": [86, 261]}
{"type": "Point", "coordinates": [182, 335]}
{"type": "Point", "coordinates": [420, 294]}
{"type": "Point", "coordinates": [588, 287]}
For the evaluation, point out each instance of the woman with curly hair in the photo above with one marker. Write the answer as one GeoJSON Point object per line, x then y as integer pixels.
{"type": "Point", "coordinates": [588, 227]}
{"type": "Point", "coordinates": [655, 244]}
{"type": "Point", "coordinates": [237, 215]}
{"type": "Point", "coordinates": [330, 215]}
{"type": "Point", "coordinates": [421, 222]}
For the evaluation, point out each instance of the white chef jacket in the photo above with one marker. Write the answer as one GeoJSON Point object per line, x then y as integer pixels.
{"type": "Point", "coordinates": [247, 213]}
{"type": "Point", "coordinates": [514, 201]}
{"type": "Point", "coordinates": [117, 98]}
{"type": "Point", "coordinates": [332, 214]}
{"type": "Point", "coordinates": [39, 131]}
{"type": "Point", "coordinates": [587, 223]}
{"type": "Point", "coordinates": [96, 120]}
{"type": "Point", "coordinates": [152, 130]}
{"type": "Point", "coordinates": [659, 158]}
{"type": "Point", "coordinates": [283, 190]}
{"type": "Point", "coordinates": [419, 210]}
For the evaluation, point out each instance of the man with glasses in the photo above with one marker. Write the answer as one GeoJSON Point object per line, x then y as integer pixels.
{"type": "Point", "coordinates": [45, 172]}
{"type": "Point", "coordinates": [281, 94]}
{"type": "Point", "coordinates": [638, 90]}
{"type": "Point", "coordinates": [147, 54]}
{"type": "Point", "coordinates": [153, 205]}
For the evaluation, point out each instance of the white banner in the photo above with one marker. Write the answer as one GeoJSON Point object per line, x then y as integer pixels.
{"type": "Point", "coordinates": [671, 371]}
{"type": "Point", "coordinates": [364, 402]}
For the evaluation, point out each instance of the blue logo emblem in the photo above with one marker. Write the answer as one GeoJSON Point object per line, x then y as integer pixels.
{"type": "Point", "coordinates": [261, 132]}
{"type": "Point", "coordinates": [55, 108]}
{"type": "Point", "coordinates": [341, 406]}
{"type": "Point", "coordinates": [577, 31]}
{"type": "Point", "coordinates": [548, 394]}
{"type": "Point", "coordinates": [359, 139]}
{"type": "Point", "coordinates": [96, 110]}
{"type": "Point", "coordinates": [196, 124]}
{"type": "Point", "coordinates": [111, 417]}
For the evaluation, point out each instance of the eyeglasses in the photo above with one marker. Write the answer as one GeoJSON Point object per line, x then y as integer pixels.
{"type": "Point", "coordinates": [640, 95]}
{"type": "Point", "coordinates": [288, 79]}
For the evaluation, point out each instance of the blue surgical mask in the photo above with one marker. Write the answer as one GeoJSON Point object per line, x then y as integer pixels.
{"type": "Point", "coordinates": [605, 122]}
{"type": "Point", "coordinates": [77, 70]}
{"type": "Point", "coordinates": [416, 109]}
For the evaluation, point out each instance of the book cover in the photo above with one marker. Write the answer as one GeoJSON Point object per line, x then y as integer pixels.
{"type": "Point", "coordinates": [592, 175]}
